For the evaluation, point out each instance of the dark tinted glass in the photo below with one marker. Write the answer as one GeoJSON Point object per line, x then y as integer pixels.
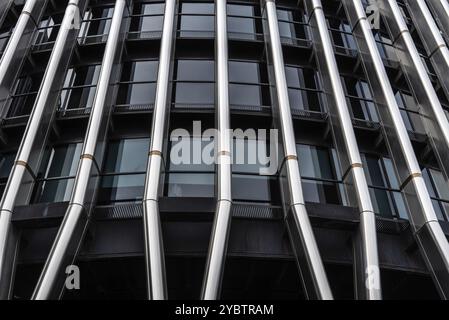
{"type": "Point", "coordinates": [140, 71]}
{"type": "Point", "coordinates": [315, 162]}
{"type": "Point", "coordinates": [6, 163]}
{"type": "Point", "coordinates": [128, 155]}
{"type": "Point", "coordinates": [247, 72]}
{"type": "Point", "coordinates": [195, 93]}
{"type": "Point", "coordinates": [195, 70]}
{"type": "Point", "coordinates": [64, 160]}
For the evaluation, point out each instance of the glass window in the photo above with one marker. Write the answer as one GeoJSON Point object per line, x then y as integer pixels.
{"type": "Point", "coordinates": [96, 24]}
{"type": "Point", "coordinates": [48, 29]}
{"type": "Point", "coordinates": [197, 8]}
{"type": "Point", "coordinates": [60, 173]}
{"type": "Point", "coordinates": [148, 17]}
{"type": "Point", "coordinates": [124, 170]}
{"type": "Point", "coordinates": [254, 188]}
{"type": "Point", "coordinates": [194, 85]}
{"type": "Point", "coordinates": [291, 25]}
{"type": "Point", "coordinates": [383, 184]}
{"type": "Point", "coordinates": [5, 33]}
{"type": "Point", "coordinates": [6, 163]}
{"type": "Point", "coordinates": [304, 100]}
{"type": "Point", "coordinates": [246, 88]}
{"type": "Point", "coordinates": [242, 23]}
{"type": "Point", "coordinates": [190, 185]}
{"type": "Point", "coordinates": [117, 188]}
{"type": "Point", "coordinates": [439, 192]}
{"type": "Point", "coordinates": [245, 72]}
{"type": "Point", "coordinates": [189, 173]}
{"type": "Point", "coordinates": [250, 155]}
{"type": "Point", "coordinates": [303, 88]}
{"type": "Point", "coordinates": [196, 18]}
{"type": "Point", "coordinates": [127, 155]}
{"type": "Point", "coordinates": [136, 94]}
{"type": "Point", "coordinates": [245, 95]}
{"type": "Point", "coordinates": [138, 84]}
{"type": "Point", "coordinates": [82, 75]}
{"type": "Point", "coordinates": [140, 71]}
{"type": "Point", "coordinates": [247, 154]}
{"type": "Point", "coordinates": [195, 70]}
{"type": "Point", "coordinates": [194, 94]}
{"type": "Point", "coordinates": [360, 99]}
{"type": "Point", "coordinates": [79, 87]}
{"type": "Point", "coordinates": [341, 33]}
{"type": "Point", "coordinates": [319, 181]}
{"type": "Point", "coordinates": [25, 93]}
{"type": "Point", "coordinates": [410, 112]}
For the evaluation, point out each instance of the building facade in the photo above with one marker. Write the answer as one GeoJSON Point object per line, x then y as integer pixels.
{"type": "Point", "coordinates": [326, 177]}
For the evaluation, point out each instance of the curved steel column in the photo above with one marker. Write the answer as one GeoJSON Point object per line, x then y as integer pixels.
{"type": "Point", "coordinates": [427, 231]}
{"type": "Point", "coordinates": [154, 249]}
{"type": "Point", "coordinates": [367, 275]}
{"type": "Point", "coordinates": [36, 127]}
{"type": "Point", "coordinates": [81, 199]}
{"type": "Point", "coordinates": [432, 39]}
{"type": "Point", "coordinates": [18, 45]}
{"type": "Point", "coordinates": [301, 233]}
{"type": "Point", "coordinates": [222, 221]}
{"type": "Point", "coordinates": [437, 124]}
{"type": "Point", "coordinates": [440, 10]}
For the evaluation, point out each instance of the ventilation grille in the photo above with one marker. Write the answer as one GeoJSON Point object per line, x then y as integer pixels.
{"type": "Point", "coordinates": [266, 109]}
{"type": "Point", "coordinates": [296, 42]}
{"type": "Point", "coordinates": [133, 107]}
{"type": "Point", "coordinates": [250, 211]}
{"type": "Point", "coordinates": [365, 124]}
{"type": "Point", "coordinates": [299, 113]}
{"type": "Point", "coordinates": [122, 211]}
{"type": "Point", "coordinates": [145, 35]}
{"type": "Point", "coordinates": [384, 225]}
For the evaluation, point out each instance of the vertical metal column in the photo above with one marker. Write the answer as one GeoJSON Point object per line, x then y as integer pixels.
{"type": "Point", "coordinates": [367, 273]}
{"type": "Point", "coordinates": [300, 230]}
{"type": "Point", "coordinates": [18, 46]}
{"type": "Point", "coordinates": [427, 231]}
{"type": "Point", "coordinates": [437, 125]}
{"type": "Point", "coordinates": [154, 249]}
{"type": "Point", "coordinates": [440, 10]}
{"type": "Point", "coordinates": [222, 221]}
{"type": "Point", "coordinates": [432, 39]}
{"type": "Point", "coordinates": [75, 222]}
{"type": "Point", "coordinates": [21, 178]}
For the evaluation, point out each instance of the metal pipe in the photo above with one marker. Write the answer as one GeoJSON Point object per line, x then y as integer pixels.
{"type": "Point", "coordinates": [19, 44]}
{"type": "Point", "coordinates": [368, 275]}
{"type": "Point", "coordinates": [438, 53]}
{"type": "Point", "coordinates": [301, 233]}
{"type": "Point", "coordinates": [437, 124]}
{"type": "Point", "coordinates": [222, 221]}
{"type": "Point", "coordinates": [426, 228]}
{"type": "Point", "coordinates": [79, 204]}
{"type": "Point", "coordinates": [440, 10]}
{"type": "Point", "coordinates": [154, 249]}
{"type": "Point", "coordinates": [34, 129]}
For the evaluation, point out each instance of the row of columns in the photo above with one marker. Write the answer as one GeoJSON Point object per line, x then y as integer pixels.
{"type": "Point", "coordinates": [427, 230]}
